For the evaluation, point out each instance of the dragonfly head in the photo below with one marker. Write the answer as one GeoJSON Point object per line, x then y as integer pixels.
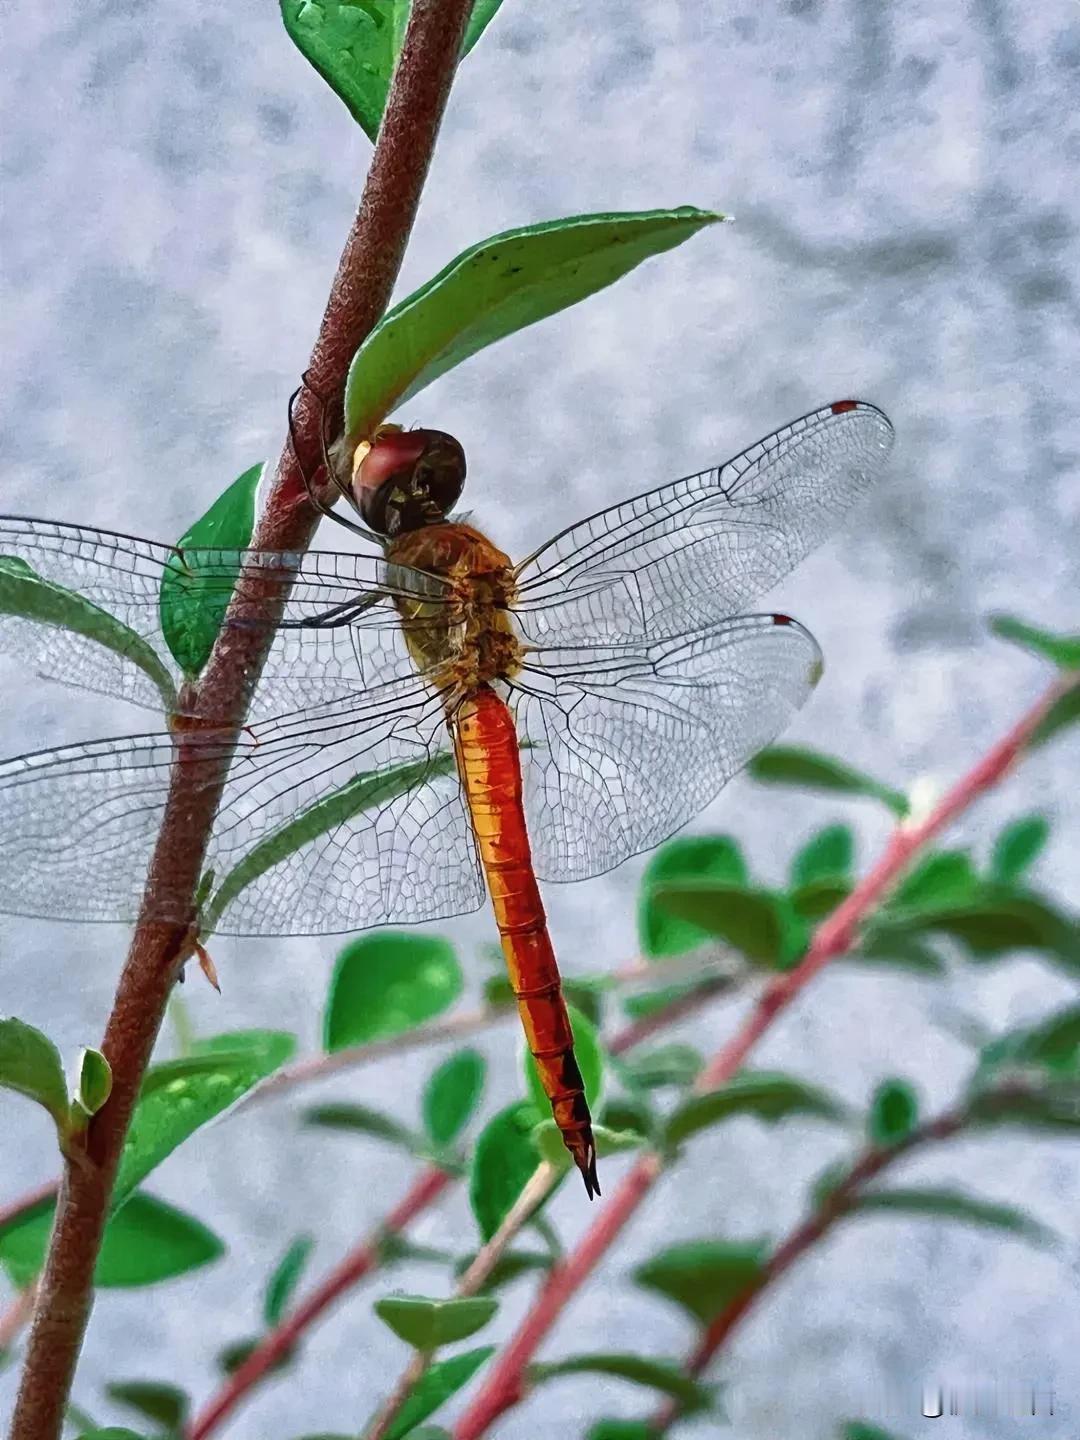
{"type": "Point", "coordinates": [409, 479]}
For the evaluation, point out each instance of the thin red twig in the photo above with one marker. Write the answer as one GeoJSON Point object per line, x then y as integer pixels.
{"type": "Point", "coordinates": [351, 1269]}
{"type": "Point", "coordinates": [506, 1382]}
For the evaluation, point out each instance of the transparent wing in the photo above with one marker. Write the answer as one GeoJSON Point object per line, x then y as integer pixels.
{"type": "Point", "coordinates": [704, 547]}
{"type": "Point", "coordinates": [78, 824]}
{"type": "Point", "coordinates": [623, 745]}
{"type": "Point", "coordinates": [339, 627]}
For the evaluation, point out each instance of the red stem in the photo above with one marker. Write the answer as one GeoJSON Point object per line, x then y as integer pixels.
{"type": "Point", "coordinates": [352, 1268]}
{"type": "Point", "coordinates": [506, 1382]}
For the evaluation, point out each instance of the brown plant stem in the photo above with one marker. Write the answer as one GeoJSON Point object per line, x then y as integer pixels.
{"type": "Point", "coordinates": [507, 1381]}
{"type": "Point", "coordinates": [352, 1268]}
{"type": "Point", "coordinates": [834, 1207]}
{"type": "Point", "coordinates": [360, 293]}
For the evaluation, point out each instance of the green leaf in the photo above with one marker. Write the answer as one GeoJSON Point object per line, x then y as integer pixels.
{"type": "Point", "coordinates": [1031, 1076]}
{"type": "Point", "coordinates": [829, 855]}
{"type": "Point", "coordinates": [590, 1057]}
{"type": "Point", "coordinates": [764, 1094]}
{"type": "Point", "coordinates": [549, 1142]}
{"type": "Point", "coordinates": [452, 1095]}
{"type": "Point", "coordinates": [749, 920]}
{"type": "Point", "coordinates": [673, 1064]}
{"type": "Point", "coordinates": [233, 1356]}
{"type": "Point", "coordinates": [1064, 712]}
{"type": "Point", "coordinates": [30, 1064]}
{"type": "Point", "coordinates": [113, 1432]}
{"type": "Point", "coordinates": [1061, 650]}
{"type": "Point", "coordinates": [705, 1276]}
{"type": "Point", "coordinates": [857, 1430]}
{"type": "Point", "coordinates": [897, 949]}
{"type": "Point", "coordinates": [354, 46]}
{"type": "Point", "coordinates": [442, 1380]}
{"type": "Point", "coordinates": [651, 1002]}
{"type": "Point", "coordinates": [364, 1121]}
{"type": "Point", "coordinates": [621, 1430]}
{"type": "Point", "coordinates": [146, 1241]}
{"type": "Point", "coordinates": [894, 1113]}
{"type": "Point", "coordinates": [24, 593]}
{"type": "Point", "coordinates": [387, 983]}
{"type": "Point", "coordinates": [587, 996]}
{"type": "Point", "coordinates": [794, 765]}
{"type": "Point", "coordinates": [94, 1083]}
{"type": "Point", "coordinates": [492, 290]}
{"type": "Point", "coordinates": [429, 1324]}
{"type": "Point", "coordinates": [361, 793]}
{"type": "Point", "coordinates": [946, 877]}
{"type": "Point", "coordinates": [690, 857]}
{"type": "Point", "coordinates": [994, 926]}
{"type": "Point", "coordinates": [503, 1162]}
{"type": "Point", "coordinates": [197, 582]}
{"type": "Point", "coordinates": [1017, 847]}
{"type": "Point", "coordinates": [661, 1375]}
{"type": "Point", "coordinates": [283, 1282]}
{"type": "Point", "coordinates": [819, 898]}
{"type": "Point", "coordinates": [179, 1096]}
{"type": "Point", "coordinates": [154, 1400]}
{"type": "Point", "coordinates": [944, 1204]}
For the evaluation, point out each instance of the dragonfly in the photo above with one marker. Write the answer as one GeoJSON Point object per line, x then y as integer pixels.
{"type": "Point", "coordinates": [432, 719]}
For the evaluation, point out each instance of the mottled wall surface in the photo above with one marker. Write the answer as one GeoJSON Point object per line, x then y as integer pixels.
{"type": "Point", "coordinates": [176, 186]}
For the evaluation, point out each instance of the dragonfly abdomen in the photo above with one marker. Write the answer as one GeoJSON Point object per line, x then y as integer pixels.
{"type": "Point", "coordinates": [488, 759]}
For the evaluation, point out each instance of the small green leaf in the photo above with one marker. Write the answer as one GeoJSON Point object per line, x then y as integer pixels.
{"type": "Point", "coordinates": [590, 1058]}
{"type": "Point", "coordinates": [113, 1432]}
{"type": "Point", "coordinates": [673, 1064]}
{"type": "Point", "coordinates": [652, 1002]}
{"type": "Point", "coordinates": [429, 1324]}
{"type": "Point", "coordinates": [628, 1112]}
{"type": "Point", "coordinates": [503, 1163]}
{"type": "Point", "coordinates": [749, 920]}
{"type": "Point", "coordinates": [1017, 848]}
{"type": "Point", "coordinates": [894, 1113]}
{"type": "Point", "coordinates": [387, 983]}
{"type": "Point", "coordinates": [621, 1430]}
{"type": "Point", "coordinates": [944, 878]}
{"type": "Point", "coordinates": [766, 1095]}
{"type": "Point", "coordinates": [793, 765]}
{"type": "Point", "coordinates": [364, 1121]}
{"type": "Point", "coordinates": [586, 996]}
{"type": "Point", "coordinates": [30, 1064]}
{"type": "Point", "coordinates": [661, 1375]}
{"type": "Point", "coordinates": [283, 1282]}
{"type": "Point", "coordinates": [1064, 712]}
{"type": "Point", "coordinates": [179, 1096]}
{"type": "Point", "coordinates": [1031, 1076]}
{"type": "Point", "coordinates": [819, 898]}
{"type": "Point", "coordinates": [164, 1404]}
{"type": "Point", "coordinates": [705, 1276]}
{"type": "Point", "coordinates": [829, 855]}
{"type": "Point", "coordinates": [442, 1380]}
{"type": "Point", "coordinates": [240, 1351]}
{"type": "Point", "coordinates": [858, 1430]}
{"type": "Point", "coordinates": [354, 46]}
{"type": "Point", "coordinates": [689, 857]}
{"type": "Point", "coordinates": [452, 1095]}
{"type": "Point", "coordinates": [1061, 650]}
{"type": "Point", "coordinates": [897, 949]}
{"type": "Point", "coordinates": [197, 582]}
{"type": "Point", "coordinates": [944, 1204]}
{"type": "Point", "coordinates": [146, 1241]}
{"type": "Point", "coordinates": [494, 289]}
{"type": "Point", "coordinates": [24, 593]}
{"type": "Point", "coordinates": [995, 926]}
{"type": "Point", "coordinates": [549, 1142]}
{"type": "Point", "coordinates": [94, 1084]}
{"type": "Point", "coordinates": [320, 818]}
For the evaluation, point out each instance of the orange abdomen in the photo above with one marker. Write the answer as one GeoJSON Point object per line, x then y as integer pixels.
{"type": "Point", "coordinates": [490, 767]}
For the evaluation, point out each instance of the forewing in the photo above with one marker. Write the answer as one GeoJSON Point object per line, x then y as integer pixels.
{"type": "Point", "coordinates": [690, 553]}
{"type": "Point", "coordinates": [339, 625]}
{"type": "Point", "coordinates": [622, 746]}
{"type": "Point", "coordinates": [369, 780]}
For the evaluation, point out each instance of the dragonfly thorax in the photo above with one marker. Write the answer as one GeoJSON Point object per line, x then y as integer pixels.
{"type": "Point", "coordinates": [471, 640]}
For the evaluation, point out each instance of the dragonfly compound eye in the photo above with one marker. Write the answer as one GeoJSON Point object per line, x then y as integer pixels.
{"type": "Point", "coordinates": [408, 479]}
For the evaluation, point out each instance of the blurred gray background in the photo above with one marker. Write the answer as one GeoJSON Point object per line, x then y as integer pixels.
{"type": "Point", "coordinates": [177, 184]}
